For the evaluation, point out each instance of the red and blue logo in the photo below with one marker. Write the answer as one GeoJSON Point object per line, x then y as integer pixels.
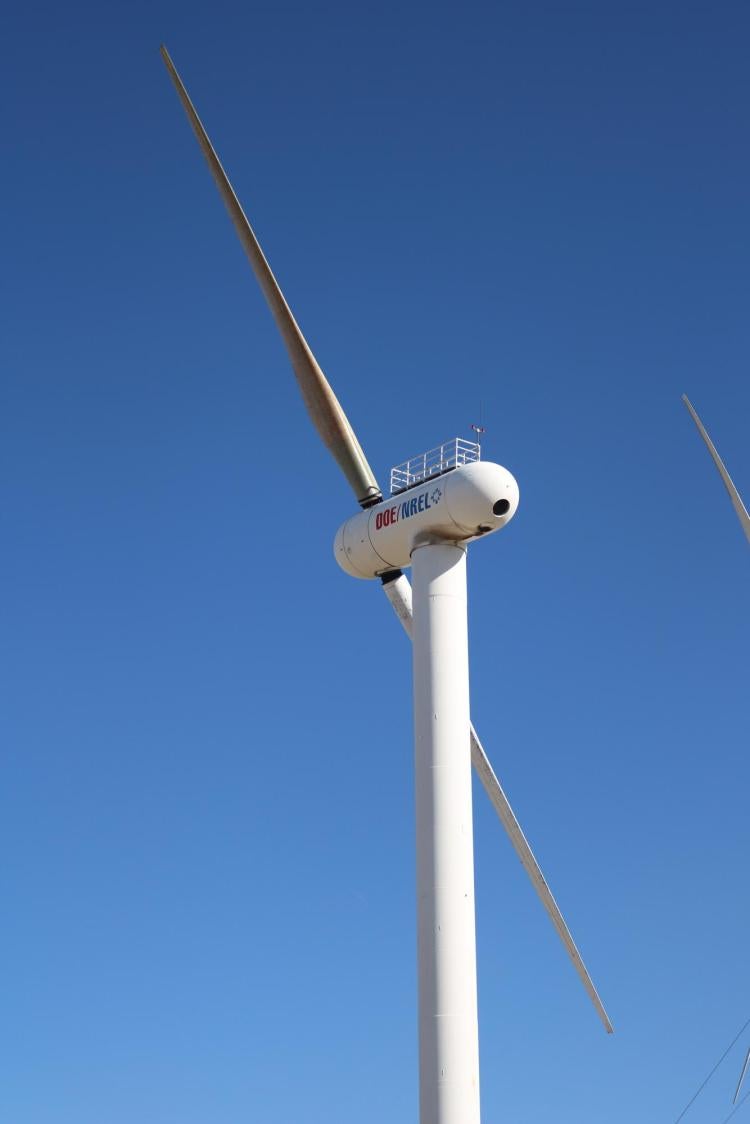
{"type": "Point", "coordinates": [404, 510]}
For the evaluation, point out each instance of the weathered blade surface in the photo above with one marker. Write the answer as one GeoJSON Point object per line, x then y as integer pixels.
{"type": "Point", "coordinates": [734, 495]}
{"type": "Point", "coordinates": [398, 592]}
{"type": "Point", "coordinates": [324, 408]}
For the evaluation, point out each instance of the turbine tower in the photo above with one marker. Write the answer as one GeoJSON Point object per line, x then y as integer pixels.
{"type": "Point", "coordinates": [436, 509]}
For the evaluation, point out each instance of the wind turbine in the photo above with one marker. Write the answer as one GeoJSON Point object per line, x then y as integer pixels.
{"type": "Point", "coordinates": [734, 495]}
{"type": "Point", "coordinates": [428, 526]}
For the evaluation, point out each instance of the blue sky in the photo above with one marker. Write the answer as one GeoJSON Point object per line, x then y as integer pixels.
{"type": "Point", "coordinates": [206, 726]}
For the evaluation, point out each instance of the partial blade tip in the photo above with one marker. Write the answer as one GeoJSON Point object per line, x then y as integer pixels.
{"type": "Point", "coordinates": [604, 1017]}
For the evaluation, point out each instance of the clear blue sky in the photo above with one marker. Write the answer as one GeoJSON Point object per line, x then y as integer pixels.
{"type": "Point", "coordinates": [207, 828]}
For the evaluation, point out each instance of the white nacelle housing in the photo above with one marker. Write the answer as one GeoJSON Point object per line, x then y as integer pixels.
{"type": "Point", "coordinates": [461, 505]}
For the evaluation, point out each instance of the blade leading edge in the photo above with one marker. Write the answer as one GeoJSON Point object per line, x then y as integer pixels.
{"type": "Point", "coordinates": [734, 495]}
{"type": "Point", "coordinates": [322, 405]}
{"type": "Point", "coordinates": [398, 592]}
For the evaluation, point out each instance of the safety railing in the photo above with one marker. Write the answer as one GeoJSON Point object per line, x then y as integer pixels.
{"type": "Point", "coordinates": [451, 454]}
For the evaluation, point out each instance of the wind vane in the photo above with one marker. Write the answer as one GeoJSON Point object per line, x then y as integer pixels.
{"type": "Point", "coordinates": [478, 429]}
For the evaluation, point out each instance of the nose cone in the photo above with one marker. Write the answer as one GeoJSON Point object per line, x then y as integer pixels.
{"type": "Point", "coordinates": [482, 497]}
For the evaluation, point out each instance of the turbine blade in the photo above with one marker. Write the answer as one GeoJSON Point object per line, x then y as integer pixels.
{"type": "Point", "coordinates": [742, 1077]}
{"type": "Point", "coordinates": [734, 495]}
{"type": "Point", "coordinates": [322, 405]}
{"type": "Point", "coordinates": [398, 592]}
{"type": "Point", "coordinates": [501, 804]}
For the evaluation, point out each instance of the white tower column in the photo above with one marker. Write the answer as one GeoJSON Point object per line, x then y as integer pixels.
{"type": "Point", "coordinates": [448, 1030]}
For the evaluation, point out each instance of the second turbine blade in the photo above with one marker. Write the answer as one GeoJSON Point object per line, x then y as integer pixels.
{"type": "Point", "coordinates": [742, 1077]}
{"type": "Point", "coordinates": [398, 592]}
{"type": "Point", "coordinates": [501, 804]}
{"type": "Point", "coordinates": [734, 495]}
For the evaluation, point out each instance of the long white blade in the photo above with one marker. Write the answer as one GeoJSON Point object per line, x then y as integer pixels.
{"type": "Point", "coordinates": [734, 495]}
{"type": "Point", "coordinates": [742, 1077]}
{"type": "Point", "coordinates": [398, 592]}
{"type": "Point", "coordinates": [324, 408]}
{"type": "Point", "coordinates": [501, 804]}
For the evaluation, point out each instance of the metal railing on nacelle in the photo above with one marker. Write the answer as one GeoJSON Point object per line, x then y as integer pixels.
{"type": "Point", "coordinates": [451, 454]}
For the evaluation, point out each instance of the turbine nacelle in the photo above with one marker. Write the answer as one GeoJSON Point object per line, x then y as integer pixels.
{"type": "Point", "coordinates": [463, 504]}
